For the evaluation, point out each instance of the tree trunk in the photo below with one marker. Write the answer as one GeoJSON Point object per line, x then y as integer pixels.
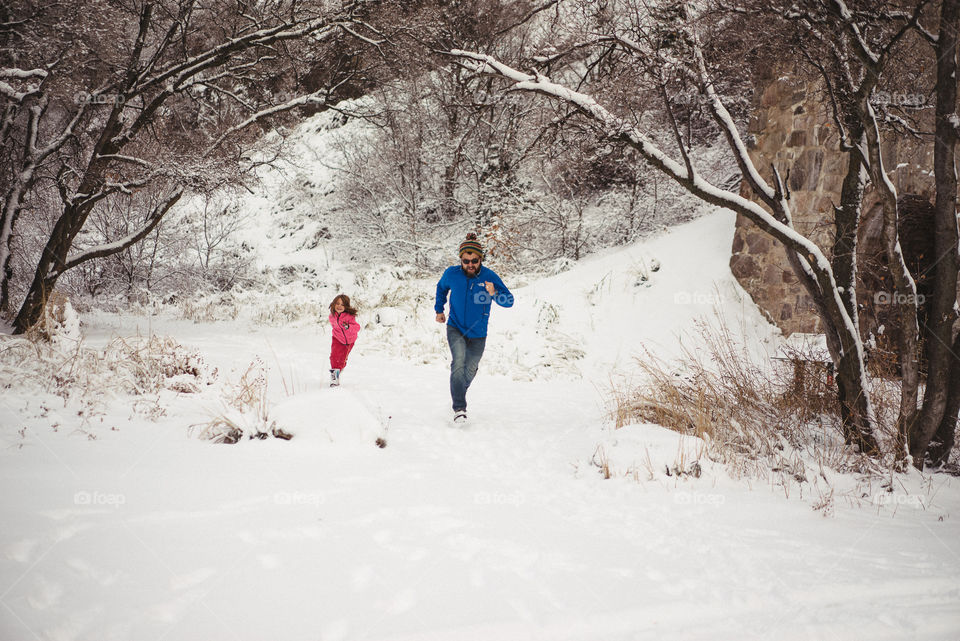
{"type": "Point", "coordinates": [53, 260]}
{"type": "Point", "coordinates": [448, 209]}
{"type": "Point", "coordinates": [12, 206]}
{"type": "Point", "coordinates": [847, 220]}
{"type": "Point", "coordinates": [6, 273]}
{"type": "Point", "coordinates": [45, 277]}
{"type": "Point", "coordinates": [905, 289]}
{"type": "Point", "coordinates": [939, 330]}
{"type": "Point", "coordinates": [943, 441]}
{"type": "Point", "coordinates": [850, 378]}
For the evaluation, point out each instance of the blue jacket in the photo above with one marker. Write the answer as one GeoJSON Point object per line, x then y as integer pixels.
{"type": "Point", "coordinates": [469, 300]}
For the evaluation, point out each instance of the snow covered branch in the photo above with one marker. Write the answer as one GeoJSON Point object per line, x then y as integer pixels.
{"type": "Point", "coordinates": [152, 220]}
{"type": "Point", "coordinates": [619, 128]}
{"type": "Point", "coordinates": [729, 128]}
{"type": "Point", "coordinates": [814, 267]}
{"type": "Point", "coordinates": [316, 98]}
{"type": "Point", "coordinates": [14, 74]}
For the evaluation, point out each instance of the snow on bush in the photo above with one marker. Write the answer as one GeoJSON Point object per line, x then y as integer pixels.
{"type": "Point", "coordinates": [57, 362]}
{"type": "Point", "coordinates": [750, 414]}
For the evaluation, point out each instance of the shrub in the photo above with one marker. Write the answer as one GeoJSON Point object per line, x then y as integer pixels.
{"type": "Point", "coordinates": [54, 359]}
{"type": "Point", "coordinates": [753, 413]}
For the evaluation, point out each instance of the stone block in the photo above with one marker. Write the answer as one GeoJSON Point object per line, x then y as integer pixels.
{"type": "Point", "coordinates": [824, 206]}
{"type": "Point", "coordinates": [758, 242]}
{"type": "Point", "coordinates": [744, 267]}
{"type": "Point", "coordinates": [798, 177]}
{"type": "Point", "coordinates": [770, 144]}
{"type": "Point", "coordinates": [800, 201]}
{"type": "Point", "coordinates": [737, 242]}
{"type": "Point", "coordinates": [772, 275]}
{"type": "Point", "coordinates": [828, 137]}
{"type": "Point", "coordinates": [771, 95]}
{"type": "Point", "coordinates": [835, 163]}
{"type": "Point", "coordinates": [832, 183]}
{"type": "Point", "coordinates": [812, 162]}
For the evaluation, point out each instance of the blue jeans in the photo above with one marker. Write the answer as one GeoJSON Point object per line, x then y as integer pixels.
{"type": "Point", "coordinates": [466, 353]}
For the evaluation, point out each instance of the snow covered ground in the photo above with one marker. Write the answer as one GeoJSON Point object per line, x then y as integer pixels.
{"type": "Point", "coordinates": [118, 522]}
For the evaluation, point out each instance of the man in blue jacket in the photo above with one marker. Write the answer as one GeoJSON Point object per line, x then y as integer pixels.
{"type": "Point", "coordinates": [472, 288]}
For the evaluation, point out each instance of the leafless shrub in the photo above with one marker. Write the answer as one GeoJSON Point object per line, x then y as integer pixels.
{"type": "Point", "coordinates": [159, 362]}
{"type": "Point", "coordinates": [756, 416]}
{"type": "Point", "coordinates": [289, 312]}
{"type": "Point", "coordinates": [54, 359]}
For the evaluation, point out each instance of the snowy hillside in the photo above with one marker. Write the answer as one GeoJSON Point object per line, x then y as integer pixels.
{"type": "Point", "coordinates": [121, 523]}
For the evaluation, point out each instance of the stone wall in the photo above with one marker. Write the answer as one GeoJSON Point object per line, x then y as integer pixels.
{"type": "Point", "coordinates": [792, 129]}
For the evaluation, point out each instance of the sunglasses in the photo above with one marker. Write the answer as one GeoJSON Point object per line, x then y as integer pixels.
{"type": "Point", "coordinates": [469, 261]}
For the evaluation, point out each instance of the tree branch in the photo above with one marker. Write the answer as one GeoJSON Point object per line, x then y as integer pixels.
{"type": "Point", "coordinates": [153, 219]}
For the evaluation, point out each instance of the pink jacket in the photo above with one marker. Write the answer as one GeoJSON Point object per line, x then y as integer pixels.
{"type": "Point", "coordinates": [345, 327]}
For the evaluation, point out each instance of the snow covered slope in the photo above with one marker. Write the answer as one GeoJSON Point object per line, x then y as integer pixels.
{"type": "Point", "coordinates": [118, 523]}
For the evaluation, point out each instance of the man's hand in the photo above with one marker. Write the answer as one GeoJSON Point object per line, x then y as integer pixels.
{"type": "Point", "coordinates": [441, 318]}
{"type": "Point", "coordinates": [490, 288]}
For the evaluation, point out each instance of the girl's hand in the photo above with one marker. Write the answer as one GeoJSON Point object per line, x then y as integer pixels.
{"type": "Point", "coordinates": [490, 288]}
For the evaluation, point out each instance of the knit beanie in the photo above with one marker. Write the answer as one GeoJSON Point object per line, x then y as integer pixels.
{"type": "Point", "coordinates": [471, 244]}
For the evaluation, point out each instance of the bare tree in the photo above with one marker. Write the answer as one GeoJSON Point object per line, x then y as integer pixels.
{"type": "Point", "coordinates": [158, 94]}
{"type": "Point", "coordinates": [937, 425]}
{"type": "Point", "coordinates": [855, 46]}
{"type": "Point", "coordinates": [852, 48]}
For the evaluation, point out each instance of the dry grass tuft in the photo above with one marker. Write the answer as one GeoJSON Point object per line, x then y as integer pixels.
{"type": "Point", "coordinates": [55, 317]}
{"type": "Point", "coordinates": [55, 360]}
{"type": "Point", "coordinates": [755, 415]}
{"type": "Point", "coordinates": [133, 365]}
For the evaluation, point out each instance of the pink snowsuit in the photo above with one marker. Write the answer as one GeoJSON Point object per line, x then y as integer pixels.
{"type": "Point", "coordinates": [345, 330]}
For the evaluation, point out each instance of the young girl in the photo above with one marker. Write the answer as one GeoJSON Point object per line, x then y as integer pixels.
{"type": "Point", "coordinates": [345, 330]}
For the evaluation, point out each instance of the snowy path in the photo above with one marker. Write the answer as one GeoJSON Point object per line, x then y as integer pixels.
{"type": "Point", "coordinates": [502, 531]}
{"type": "Point", "coordinates": [122, 528]}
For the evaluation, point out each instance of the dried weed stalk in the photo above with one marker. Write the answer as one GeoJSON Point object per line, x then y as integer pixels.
{"type": "Point", "coordinates": [758, 417]}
